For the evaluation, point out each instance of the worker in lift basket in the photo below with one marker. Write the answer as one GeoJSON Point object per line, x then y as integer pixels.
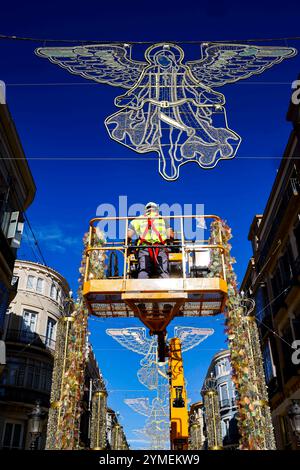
{"type": "Point", "coordinates": [152, 235]}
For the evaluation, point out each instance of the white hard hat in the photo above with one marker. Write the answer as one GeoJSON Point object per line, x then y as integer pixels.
{"type": "Point", "coordinates": [151, 205]}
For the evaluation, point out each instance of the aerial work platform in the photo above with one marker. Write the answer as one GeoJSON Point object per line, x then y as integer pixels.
{"type": "Point", "coordinates": [192, 290]}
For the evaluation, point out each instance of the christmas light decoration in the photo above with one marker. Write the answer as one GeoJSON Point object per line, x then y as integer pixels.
{"type": "Point", "coordinates": [98, 420]}
{"type": "Point", "coordinates": [170, 107]}
{"type": "Point", "coordinates": [212, 415]}
{"type": "Point", "coordinates": [69, 365]}
{"type": "Point", "coordinates": [154, 375]}
{"type": "Point", "coordinates": [254, 418]}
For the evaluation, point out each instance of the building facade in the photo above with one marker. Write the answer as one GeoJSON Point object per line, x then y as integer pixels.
{"type": "Point", "coordinates": [30, 336]}
{"type": "Point", "coordinates": [116, 438]}
{"type": "Point", "coordinates": [196, 426]}
{"type": "Point", "coordinates": [17, 190]}
{"type": "Point", "coordinates": [29, 333]}
{"type": "Point", "coordinates": [272, 279]}
{"type": "Point", "coordinates": [220, 370]}
{"type": "Point", "coordinates": [93, 421]}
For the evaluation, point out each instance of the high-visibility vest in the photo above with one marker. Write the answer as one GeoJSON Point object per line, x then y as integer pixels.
{"type": "Point", "coordinates": [150, 230]}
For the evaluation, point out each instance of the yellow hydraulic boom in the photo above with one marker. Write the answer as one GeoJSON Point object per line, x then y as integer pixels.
{"type": "Point", "coordinates": [178, 398]}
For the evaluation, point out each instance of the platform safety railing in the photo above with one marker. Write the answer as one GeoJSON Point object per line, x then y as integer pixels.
{"type": "Point", "coordinates": [121, 245]}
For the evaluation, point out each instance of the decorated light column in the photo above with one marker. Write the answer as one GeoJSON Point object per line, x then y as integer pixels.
{"type": "Point", "coordinates": [116, 437]}
{"type": "Point", "coordinates": [212, 415]}
{"type": "Point", "coordinates": [98, 421]}
{"type": "Point", "coordinates": [195, 437]}
{"type": "Point", "coordinates": [63, 430]}
{"type": "Point", "coordinates": [60, 359]}
{"type": "Point", "coordinates": [68, 380]}
{"type": "Point", "coordinates": [254, 420]}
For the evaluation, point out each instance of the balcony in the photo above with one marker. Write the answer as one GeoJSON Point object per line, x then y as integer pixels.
{"type": "Point", "coordinates": [22, 395]}
{"type": "Point", "coordinates": [31, 339]}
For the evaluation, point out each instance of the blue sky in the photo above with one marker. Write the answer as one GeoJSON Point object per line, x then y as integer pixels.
{"type": "Point", "coordinates": [60, 115]}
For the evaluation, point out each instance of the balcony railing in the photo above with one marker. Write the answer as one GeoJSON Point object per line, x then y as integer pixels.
{"type": "Point", "coordinates": [30, 338]}
{"type": "Point", "coordinates": [23, 395]}
{"type": "Point", "coordinates": [227, 403]}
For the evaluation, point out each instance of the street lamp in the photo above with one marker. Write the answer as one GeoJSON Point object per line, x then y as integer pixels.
{"type": "Point", "coordinates": [35, 424]}
{"type": "Point", "coordinates": [68, 304]}
{"type": "Point", "coordinates": [294, 416]}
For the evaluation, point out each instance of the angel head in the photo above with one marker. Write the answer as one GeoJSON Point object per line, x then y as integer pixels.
{"type": "Point", "coordinates": [164, 55]}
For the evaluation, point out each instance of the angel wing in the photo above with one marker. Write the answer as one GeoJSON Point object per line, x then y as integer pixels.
{"type": "Point", "coordinates": [227, 63]}
{"type": "Point", "coordinates": [103, 63]}
{"type": "Point", "coordinates": [139, 405]}
{"type": "Point", "coordinates": [131, 338]}
{"type": "Point", "coordinates": [190, 336]}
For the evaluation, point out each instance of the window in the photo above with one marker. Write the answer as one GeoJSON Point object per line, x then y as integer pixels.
{"type": "Point", "coordinates": [12, 435]}
{"type": "Point", "coordinates": [33, 375]}
{"type": "Point", "coordinates": [53, 291]}
{"type": "Point", "coordinates": [31, 282]}
{"type": "Point", "coordinates": [45, 378]}
{"type": "Point", "coordinates": [58, 295]}
{"type": "Point", "coordinates": [222, 367]}
{"type": "Point", "coordinates": [277, 282]}
{"type": "Point", "coordinates": [287, 262]}
{"type": "Point", "coordinates": [225, 427]}
{"type": "Point", "coordinates": [14, 373]}
{"type": "Point", "coordinates": [40, 285]}
{"type": "Point", "coordinates": [28, 373]}
{"type": "Point", "coordinates": [269, 367]}
{"type": "Point", "coordinates": [3, 303]}
{"type": "Point", "coordinates": [36, 284]}
{"type": "Point", "coordinates": [223, 392]}
{"type": "Point", "coordinates": [50, 332]}
{"type": "Point", "coordinates": [260, 301]}
{"type": "Point", "coordinates": [29, 324]}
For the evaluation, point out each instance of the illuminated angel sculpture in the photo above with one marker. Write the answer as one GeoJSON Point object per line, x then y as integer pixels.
{"type": "Point", "coordinates": [170, 106]}
{"type": "Point", "coordinates": [154, 375]}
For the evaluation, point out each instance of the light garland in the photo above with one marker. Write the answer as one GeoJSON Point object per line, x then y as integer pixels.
{"type": "Point", "coordinates": [254, 420]}
{"type": "Point", "coordinates": [63, 430]}
{"type": "Point", "coordinates": [98, 420]}
{"type": "Point", "coordinates": [212, 419]}
{"type": "Point", "coordinates": [116, 441]}
{"type": "Point", "coordinates": [59, 358]}
{"type": "Point", "coordinates": [96, 258]}
{"type": "Point", "coordinates": [196, 437]}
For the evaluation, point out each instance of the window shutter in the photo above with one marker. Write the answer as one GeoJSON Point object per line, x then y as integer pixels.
{"type": "Point", "coordinates": [13, 224]}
